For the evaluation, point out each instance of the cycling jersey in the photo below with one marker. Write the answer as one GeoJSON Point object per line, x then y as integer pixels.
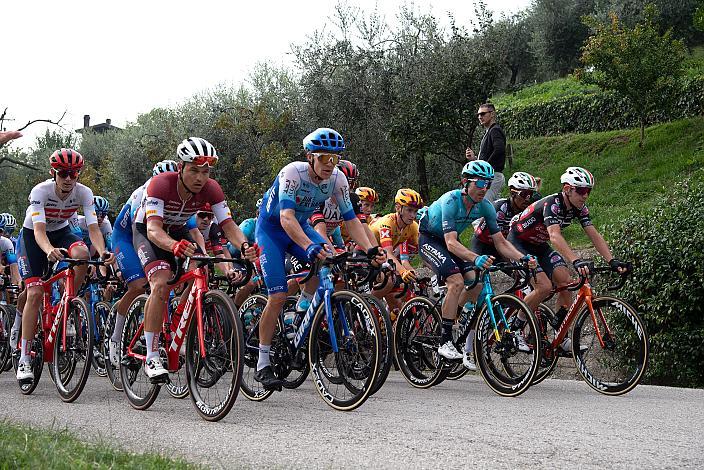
{"type": "Point", "coordinates": [504, 214]}
{"type": "Point", "coordinates": [7, 251]}
{"type": "Point", "coordinates": [329, 213]}
{"type": "Point", "coordinates": [45, 206]}
{"type": "Point", "coordinates": [214, 238]}
{"type": "Point", "coordinates": [79, 227]}
{"type": "Point", "coordinates": [449, 214]}
{"type": "Point", "coordinates": [390, 236]}
{"type": "Point", "coordinates": [162, 201]}
{"type": "Point", "coordinates": [294, 189]}
{"type": "Point", "coordinates": [532, 224]}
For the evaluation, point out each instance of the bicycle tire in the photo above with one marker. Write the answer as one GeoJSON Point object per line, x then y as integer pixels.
{"type": "Point", "coordinates": [250, 313]}
{"type": "Point", "coordinates": [626, 336]}
{"type": "Point", "coordinates": [177, 386]}
{"type": "Point", "coordinates": [101, 312]}
{"type": "Point", "coordinates": [7, 319]}
{"type": "Point", "coordinates": [506, 370]}
{"type": "Point", "coordinates": [548, 356]}
{"type": "Point", "coordinates": [77, 353]}
{"type": "Point", "coordinates": [140, 392]}
{"type": "Point", "coordinates": [36, 348]}
{"type": "Point", "coordinates": [357, 361]}
{"type": "Point", "coordinates": [113, 373]}
{"type": "Point", "coordinates": [457, 372]}
{"type": "Point", "coordinates": [416, 340]}
{"type": "Point", "coordinates": [387, 341]}
{"type": "Point", "coordinates": [224, 345]}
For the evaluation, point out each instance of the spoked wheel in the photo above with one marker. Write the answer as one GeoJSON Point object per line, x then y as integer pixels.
{"type": "Point", "coordinates": [214, 377]}
{"type": "Point", "coordinates": [344, 379]}
{"type": "Point", "coordinates": [72, 359]}
{"type": "Point", "coordinates": [113, 373]}
{"type": "Point", "coordinates": [506, 368]}
{"type": "Point", "coordinates": [386, 353]}
{"type": "Point", "coordinates": [618, 365]}
{"type": "Point", "coordinates": [289, 365]}
{"type": "Point", "coordinates": [7, 318]}
{"type": "Point", "coordinates": [548, 356]}
{"type": "Point", "coordinates": [250, 313]}
{"type": "Point", "coordinates": [101, 313]}
{"type": "Point", "coordinates": [37, 355]}
{"type": "Point", "coordinates": [416, 342]}
{"type": "Point", "coordinates": [178, 384]}
{"type": "Point", "coordinates": [140, 392]}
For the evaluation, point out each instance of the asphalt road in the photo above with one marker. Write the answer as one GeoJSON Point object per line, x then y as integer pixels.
{"type": "Point", "coordinates": [557, 424]}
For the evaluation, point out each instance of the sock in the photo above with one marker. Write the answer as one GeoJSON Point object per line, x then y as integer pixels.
{"type": "Point", "coordinates": [18, 320]}
{"type": "Point", "coordinates": [469, 344]}
{"type": "Point", "coordinates": [263, 356]}
{"type": "Point", "coordinates": [447, 330]}
{"type": "Point", "coordinates": [304, 300]}
{"type": "Point", "coordinates": [25, 357]}
{"type": "Point", "coordinates": [152, 348]}
{"type": "Point", "coordinates": [119, 325]}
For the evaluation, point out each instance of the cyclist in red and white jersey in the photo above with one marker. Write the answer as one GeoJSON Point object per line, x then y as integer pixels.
{"type": "Point", "coordinates": [160, 234]}
{"type": "Point", "coordinates": [46, 231]}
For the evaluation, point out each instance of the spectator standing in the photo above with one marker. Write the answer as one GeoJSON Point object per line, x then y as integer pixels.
{"type": "Point", "coordinates": [492, 149]}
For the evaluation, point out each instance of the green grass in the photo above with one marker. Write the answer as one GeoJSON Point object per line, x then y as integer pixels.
{"type": "Point", "coordinates": [543, 92]}
{"type": "Point", "coordinates": [25, 447]}
{"type": "Point", "coordinates": [627, 177]}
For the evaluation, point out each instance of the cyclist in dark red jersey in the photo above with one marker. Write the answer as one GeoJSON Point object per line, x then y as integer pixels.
{"type": "Point", "coordinates": [161, 235]}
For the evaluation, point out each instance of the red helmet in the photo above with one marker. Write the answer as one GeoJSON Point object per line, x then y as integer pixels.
{"type": "Point", "coordinates": [206, 208]}
{"type": "Point", "coordinates": [348, 169]}
{"type": "Point", "coordinates": [66, 159]}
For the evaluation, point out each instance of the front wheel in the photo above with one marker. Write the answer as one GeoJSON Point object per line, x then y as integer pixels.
{"type": "Point", "coordinates": [610, 346]}
{"type": "Point", "coordinates": [250, 314]}
{"type": "Point", "coordinates": [73, 356]}
{"type": "Point", "coordinates": [112, 372]}
{"type": "Point", "coordinates": [214, 372]}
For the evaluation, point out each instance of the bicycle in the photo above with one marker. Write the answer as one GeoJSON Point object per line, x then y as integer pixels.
{"type": "Point", "coordinates": [213, 352]}
{"type": "Point", "coordinates": [99, 314]}
{"type": "Point", "coordinates": [8, 292]}
{"type": "Point", "coordinates": [64, 336]}
{"type": "Point", "coordinates": [610, 344]}
{"type": "Point", "coordinates": [338, 333]}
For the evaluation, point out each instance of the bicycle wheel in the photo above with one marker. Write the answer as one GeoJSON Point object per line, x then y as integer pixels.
{"type": "Point", "coordinates": [250, 313]}
{"type": "Point", "coordinates": [37, 354]}
{"type": "Point", "coordinates": [72, 358]}
{"type": "Point", "coordinates": [344, 379]}
{"type": "Point", "coordinates": [140, 392]}
{"type": "Point", "coordinates": [385, 359]}
{"type": "Point", "coordinates": [7, 318]}
{"type": "Point", "coordinates": [506, 369]}
{"type": "Point", "coordinates": [291, 366]}
{"type": "Point", "coordinates": [548, 356]}
{"type": "Point", "coordinates": [113, 373]}
{"type": "Point", "coordinates": [619, 365]}
{"type": "Point", "coordinates": [416, 341]}
{"type": "Point", "coordinates": [178, 384]}
{"type": "Point", "coordinates": [101, 313]}
{"type": "Point", "coordinates": [214, 378]}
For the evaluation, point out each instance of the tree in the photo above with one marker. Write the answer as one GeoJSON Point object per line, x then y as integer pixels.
{"type": "Point", "coordinates": [640, 64]}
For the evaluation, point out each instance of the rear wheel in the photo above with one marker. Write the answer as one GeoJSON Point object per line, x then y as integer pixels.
{"type": "Point", "coordinates": [36, 349]}
{"type": "Point", "coordinates": [178, 384]}
{"type": "Point", "coordinates": [387, 337]}
{"type": "Point", "coordinates": [250, 313]}
{"type": "Point", "coordinates": [72, 358]}
{"type": "Point", "coordinates": [101, 314]}
{"type": "Point", "coordinates": [113, 373]}
{"type": "Point", "coordinates": [548, 356]}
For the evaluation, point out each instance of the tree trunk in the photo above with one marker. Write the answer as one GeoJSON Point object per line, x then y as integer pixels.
{"type": "Point", "coordinates": [422, 177]}
{"type": "Point", "coordinates": [514, 75]}
{"type": "Point", "coordinates": [642, 131]}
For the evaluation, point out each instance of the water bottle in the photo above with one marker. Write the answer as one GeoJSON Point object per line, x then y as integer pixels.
{"type": "Point", "coordinates": [290, 324]}
{"type": "Point", "coordinates": [248, 319]}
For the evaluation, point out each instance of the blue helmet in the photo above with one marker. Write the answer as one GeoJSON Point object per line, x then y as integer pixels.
{"type": "Point", "coordinates": [478, 169]}
{"type": "Point", "coordinates": [324, 139]}
{"type": "Point", "coordinates": [101, 204]}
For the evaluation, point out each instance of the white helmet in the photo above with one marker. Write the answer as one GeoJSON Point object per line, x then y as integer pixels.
{"type": "Point", "coordinates": [164, 166]}
{"type": "Point", "coordinates": [194, 147]}
{"type": "Point", "coordinates": [259, 203]}
{"type": "Point", "coordinates": [523, 180]}
{"type": "Point", "coordinates": [578, 177]}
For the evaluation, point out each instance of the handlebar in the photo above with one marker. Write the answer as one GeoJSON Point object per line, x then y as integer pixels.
{"type": "Point", "coordinates": [599, 269]}
{"type": "Point", "coordinates": [70, 262]}
{"type": "Point", "coordinates": [209, 261]}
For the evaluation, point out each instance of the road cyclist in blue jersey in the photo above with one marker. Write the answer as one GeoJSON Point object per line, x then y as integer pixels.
{"type": "Point", "coordinates": [450, 260]}
{"type": "Point", "coordinates": [282, 227]}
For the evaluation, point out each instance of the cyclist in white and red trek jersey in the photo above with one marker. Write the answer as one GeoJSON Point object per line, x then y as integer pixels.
{"type": "Point", "coordinates": [160, 233]}
{"type": "Point", "coordinates": [46, 231]}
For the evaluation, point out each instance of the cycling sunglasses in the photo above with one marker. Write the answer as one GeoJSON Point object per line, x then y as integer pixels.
{"type": "Point", "coordinates": [326, 158]}
{"type": "Point", "coordinates": [583, 191]}
{"type": "Point", "coordinates": [73, 174]}
{"type": "Point", "coordinates": [205, 215]}
{"type": "Point", "coordinates": [482, 184]}
{"type": "Point", "coordinates": [203, 160]}
{"type": "Point", "coordinates": [524, 193]}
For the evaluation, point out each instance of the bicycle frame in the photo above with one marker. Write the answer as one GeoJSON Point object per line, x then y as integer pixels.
{"type": "Point", "coordinates": [53, 314]}
{"type": "Point", "coordinates": [584, 296]}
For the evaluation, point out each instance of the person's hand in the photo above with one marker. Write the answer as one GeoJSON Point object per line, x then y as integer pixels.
{"type": "Point", "coordinates": [315, 252]}
{"type": "Point", "coordinates": [531, 261]}
{"type": "Point", "coordinates": [183, 249]}
{"type": "Point", "coordinates": [234, 275]}
{"type": "Point", "coordinates": [618, 266]}
{"type": "Point", "coordinates": [408, 275]}
{"type": "Point", "coordinates": [55, 255]}
{"type": "Point", "coordinates": [581, 266]}
{"type": "Point", "coordinates": [5, 137]}
{"type": "Point", "coordinates": [377, 255]}
{"type": "Point", "coordinates": [108, 257]}
{"type": "Point", "coordinates": [250, 252]}
{"type": "Point", "coordinates": [469, 154]}
{"type": "Point", "coordinates": [483, 261]}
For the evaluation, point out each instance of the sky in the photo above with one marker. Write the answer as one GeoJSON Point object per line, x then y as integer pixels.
{"type": "Point", "coordinates": [122, 58]}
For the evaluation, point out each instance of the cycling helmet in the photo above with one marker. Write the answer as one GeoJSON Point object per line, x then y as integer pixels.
{"type": "Point", "coordinates": [164, 166]}
{"type": "Point", "coordinates": [259, 203]}
{"type": "Point", "coordinates": [478, 169]}
{"type": "Point", "coordinates": [206, 208]}
{"type": "Point", "coordinates": [367, 194]}
{"type": "Point", "coordinates": [522, 180]}
{"type": "Point", "coordinates": [324, 139]}
{"type": "Point", "coordinates": [193, 147]}
{"type": "Point", "coordinates": [2, 224]}
{"type": "Point", "coordinates": [578, 177]}
{"type": "Point", "coordinates": [101, 204]}
{"type": "Point", "coordinates": [348, 168]}
{"type": "Point", "coordinates": [408, 197]}
{"type": "Point", "coordinates": [66, 159]}
{"type": "Point", "coordinates": [9, 221]}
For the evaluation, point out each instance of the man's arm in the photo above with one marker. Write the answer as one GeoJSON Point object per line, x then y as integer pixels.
{"type": "Point", "coordinates": [457, 248]}
{"type": "Point", "coordinates": [599, 243]}
{"type": "Point", "coordinates": [505, 248]}
{"type": "Point", "coordinates": [560, 244]}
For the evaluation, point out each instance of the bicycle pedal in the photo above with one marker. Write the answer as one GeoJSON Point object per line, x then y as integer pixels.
{"type": "Point", "coordinates": [25, 382]}
{"type": "Point", "coordinates": [164, 380]}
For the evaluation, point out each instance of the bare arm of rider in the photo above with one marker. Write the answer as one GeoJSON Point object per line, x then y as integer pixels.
{"type": "Point", "coordinates": [599, 243]}
{"type": "Point", "coordinates": [323, 231]}
{"type": "Point", "coordinates": [157, 235]}
{"type": "Point", "coordinates": [458, 249]}
{"type": "Point", "coordinates": [560, 244]}
{"type": "Point", "coordinates": [505, 248]}
{"type": "Point", "coordinates": [96, 238]}
{"type": "Point", "coordinates": [198, 238]}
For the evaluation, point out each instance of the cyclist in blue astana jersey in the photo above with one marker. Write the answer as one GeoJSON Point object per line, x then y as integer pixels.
{"type": "Point", "coordinates": [441, 249]}
{"type": "Point", "coordinates": [282, 227]}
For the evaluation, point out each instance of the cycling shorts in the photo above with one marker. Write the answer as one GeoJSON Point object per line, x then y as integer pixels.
{"type": "Point", "coordinates": [435, 254]}
{"type": "Point", "coordinates": [548, 259]}
{"type": "Point", "coordinates": [153, 258]}
{"type": "Point", "coordinates": [32, 261]}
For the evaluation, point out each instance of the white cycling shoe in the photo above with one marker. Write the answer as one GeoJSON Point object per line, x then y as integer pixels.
{"type": "Point", "coordinates": [449, 351]}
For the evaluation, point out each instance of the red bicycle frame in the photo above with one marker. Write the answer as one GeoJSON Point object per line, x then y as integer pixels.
{"type": "Point", "coordinates": [53, 314]}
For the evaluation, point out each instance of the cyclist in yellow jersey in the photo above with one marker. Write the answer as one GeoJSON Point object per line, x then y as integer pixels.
{"type": "Point", "coordinates": [391, 231]}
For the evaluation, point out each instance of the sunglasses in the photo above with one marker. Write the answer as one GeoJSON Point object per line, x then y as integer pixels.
{"type": "Point", "coordinates": [205, 215]}
{"type": "Point", "coordinates": [326, 158]}
{"type": "Point", "coordinates": [101, 214]}
{"type": "Point", "coordinates": [583, 191]}
{"type": "Point", "coordinates": [73, 174]}
{"type": "Point", "coordinates": [481, 184]}
{"type": "Point", "coordinates": [203, 160]}
{"type": "Point", "coordinates": [524, 193]}
{"type": "Point", "coordinates": [480, 114]}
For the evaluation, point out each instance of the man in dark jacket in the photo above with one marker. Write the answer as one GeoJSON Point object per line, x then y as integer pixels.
{"type": "Point", "coordinates": [492, 149]}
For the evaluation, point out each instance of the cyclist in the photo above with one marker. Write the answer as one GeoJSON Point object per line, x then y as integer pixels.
{"type": "Point", "coordinates": [282, 227]}
{"type": "Point", "coordinates": [160, 234]}
{"type": "Point", "coordinates": [8, 257]}
{"type": "Point", "coordinates": [368, 197]}
{"type": "Point", "coordinates": [45, 231]}
{"type": "Point", "coordinates": [398, 231]}
{"type": "Point", "coordinates": [10, 226]}
{"type": "Point", "coordinates": [78, 224]}
{"type": "Point", "coordinates": [540, 226]}
{"type": "Point", "coordinates": [248, 227]}
{"type": "Point", "coordinates": [441, 249]}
